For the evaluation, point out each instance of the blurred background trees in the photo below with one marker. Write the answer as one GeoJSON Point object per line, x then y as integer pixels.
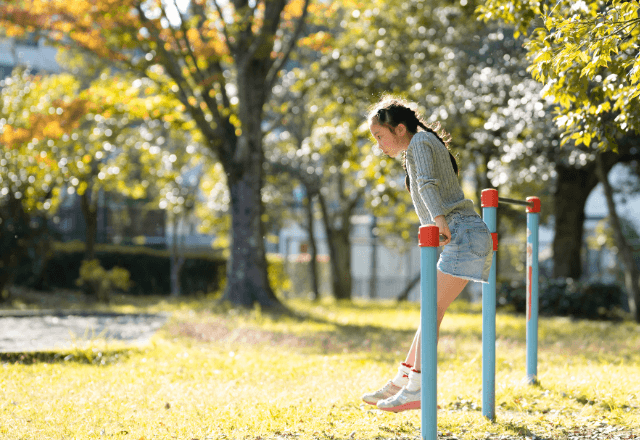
{"type": "Point", "coordinates": [247, 116]}
{"type": "Point", "coordinates": [34, 114]}
{"type": "Point", "coordinates": [220, 62]}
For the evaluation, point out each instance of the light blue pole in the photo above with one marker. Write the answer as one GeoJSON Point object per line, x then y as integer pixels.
{"type": "Point", "coordinates": [429, 240]}
{"type": "Point", "coordinates": [532, 289]}
{"type": "Point", "coordinates": [489, 215]}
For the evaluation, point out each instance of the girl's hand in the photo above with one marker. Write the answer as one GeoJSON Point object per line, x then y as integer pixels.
{"type": "Point", "coordinates": [445, 233]}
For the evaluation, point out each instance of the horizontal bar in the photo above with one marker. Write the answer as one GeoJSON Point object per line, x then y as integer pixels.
{"type": "Point", "coordinates": [514, 201]}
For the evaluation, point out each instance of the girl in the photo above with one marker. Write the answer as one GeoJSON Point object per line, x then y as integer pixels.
{"type": "Point", "coordinates": [432, 180]}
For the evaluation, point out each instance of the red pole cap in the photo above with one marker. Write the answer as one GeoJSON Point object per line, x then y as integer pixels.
{"type": "Point", "coordinates": [489, 198]}
{"type": "Point", "coordinates": [429, 236]}
{"type": "Point", "coordinates": [534, 204]}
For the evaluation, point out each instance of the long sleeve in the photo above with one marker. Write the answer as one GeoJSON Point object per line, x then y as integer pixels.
{"type": "Point", "coordinates": [435, 189]}
{"type": "Point", "coordinates": [425, 160]}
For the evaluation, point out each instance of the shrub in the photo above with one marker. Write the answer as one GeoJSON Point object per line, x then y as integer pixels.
{"type": "Point", "coordinates": [562, 297]}
{"type": "Point", "coordinates": [278, 277]}
{"type": "Point", "coordinates": [99, 282]}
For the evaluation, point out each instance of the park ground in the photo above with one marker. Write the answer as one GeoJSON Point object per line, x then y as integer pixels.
{"type": "Point", "coordinates": [212, 372]}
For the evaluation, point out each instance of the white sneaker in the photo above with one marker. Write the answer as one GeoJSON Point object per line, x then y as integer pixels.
{"type": "Point", "coordinates": [389, 390]}
{"type": "Point", "coordinates": [401, 401]}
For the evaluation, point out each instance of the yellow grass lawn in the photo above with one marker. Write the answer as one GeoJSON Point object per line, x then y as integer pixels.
{"type": "Point", "coordinates": [215, 373]}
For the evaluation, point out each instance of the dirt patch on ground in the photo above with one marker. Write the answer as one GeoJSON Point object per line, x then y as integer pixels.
{"type": "Point", "coordinates": [35, 331]}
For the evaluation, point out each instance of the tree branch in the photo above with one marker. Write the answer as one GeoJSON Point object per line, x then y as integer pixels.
{"type": "Point", "coordinates": [186, 52]}
{"type": "Point", "coordinates": [224, 26]}
{"type": "Point", "coordinates": [202, 77]}
{"type": "Point", "coordinates": [276, 66]}
{"type": "Point", "coordinates": [247, 44]}
{"type": "Point", "coordinates": [313, 184]}
{"type": "Point", "coordinates": [184, 89]}
{"type": "Point", "coordinates": [273, 9]}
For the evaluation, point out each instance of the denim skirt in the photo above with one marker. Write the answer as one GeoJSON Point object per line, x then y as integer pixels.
{"type": "Point", "coordinates": [470, 252]}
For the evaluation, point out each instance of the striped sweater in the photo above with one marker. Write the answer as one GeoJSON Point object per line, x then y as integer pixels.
{"type": "Point", "coordinates": [435, 189]}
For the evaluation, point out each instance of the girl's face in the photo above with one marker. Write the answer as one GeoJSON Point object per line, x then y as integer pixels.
{"type": "Point", "coordinates": [389, 141]}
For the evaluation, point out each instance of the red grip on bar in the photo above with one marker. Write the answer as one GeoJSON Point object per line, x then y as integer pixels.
{"type": "Point", "coordinates": [494, 235]}
{"type": "Point", "coordinates": [535, 207]}
{"type": "Point", "coordinates": [489, 198]}
{"type": "Point", "coordinates": [429, 236]}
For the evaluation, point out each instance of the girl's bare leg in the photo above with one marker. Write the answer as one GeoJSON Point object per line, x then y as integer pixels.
{"type": "Point", "coordinates": [449, 287]}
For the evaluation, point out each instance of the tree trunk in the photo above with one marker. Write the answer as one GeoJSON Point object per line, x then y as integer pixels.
{"type": "Point", "coordinates": [574, 184]}
{"type": "Point", "coordinates": [626, 254]}
{"type": "Point", "coordinates": [91, 220]}
{"type": "Point", "coordinates": [341, 263]}
{"type": "Point", "coordinates": [44, 250]}
{"type": "Point", "coordinates": [339, 244]}
{"type": "Point", "coordinates": [572, 190]}
{"type": "Point", "coordinates": [404, 295]}
{"type": "Point", "coordinates": [177, 261]}
{"type": "Point", "coordinates": [373, 276]}
{"type": "Point", "coordinates": [313, 264]}
{"type": "Point", "coordinates": [13, 221]}
{"type": "Point", "coordinates": [17, 238]}
{"type": "Point", "coordinates": [247, 281]}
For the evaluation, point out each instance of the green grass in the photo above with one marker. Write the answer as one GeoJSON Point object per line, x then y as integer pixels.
{"type": "Point", "coordinates": [214, 373]}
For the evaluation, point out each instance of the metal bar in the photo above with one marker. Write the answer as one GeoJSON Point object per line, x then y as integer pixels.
{"type": "Point", "coordinates": [489, 328]}
{"type": "Point", "coordinates": [533, 222]}
{"type": "Point", "coordinates": [514, 201]}
{"type": "Point", "coordinates": [429, 240]}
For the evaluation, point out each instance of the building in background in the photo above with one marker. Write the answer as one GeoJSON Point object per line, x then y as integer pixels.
{"type": "Point", "coordinates": [30, 51]}
{"type": "Point", "coordinates": [119, 221]}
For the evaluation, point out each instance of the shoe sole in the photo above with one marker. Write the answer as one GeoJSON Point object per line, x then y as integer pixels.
{"type": "Point", "coordinates": [375, 402]}
{"type": "Point", "coordinates": [404, 407]}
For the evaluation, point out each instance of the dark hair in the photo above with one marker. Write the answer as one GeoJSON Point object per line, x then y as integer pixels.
{"type": "Point", "coordinates": [392, 111]}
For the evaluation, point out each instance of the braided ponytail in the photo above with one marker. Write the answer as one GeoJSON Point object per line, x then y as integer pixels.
{"type": "Point", "coordinates": [391, 111]}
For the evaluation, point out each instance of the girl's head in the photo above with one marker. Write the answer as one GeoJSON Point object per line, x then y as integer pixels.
{"type": "Point", "coordinates": [391, 112]}
{"type": "Point", "coordinates": [393, 122]}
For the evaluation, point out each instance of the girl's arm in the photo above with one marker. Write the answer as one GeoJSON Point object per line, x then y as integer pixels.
{"type": "Point", "coordinates": [425, 158]}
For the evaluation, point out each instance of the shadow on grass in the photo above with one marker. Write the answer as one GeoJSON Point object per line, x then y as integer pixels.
{"type": "Point", "coordinates": [522, 431]}
{"type": "Point", "coordinates": [89, 356]}
{"type": "Point", "coordinates": [345, 339]}
{"type": "Point", "coordinates": [376, 340]}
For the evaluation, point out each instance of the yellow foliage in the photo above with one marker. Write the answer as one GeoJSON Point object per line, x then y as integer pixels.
{"type": "Point", "coordinates": [293, 9]}
{"type": "Point", "coordinates": [11, 136]}
{"type": "Point", "coordinates": [320, 41]}
{"type": "Point", "coordinates": [82, 188]}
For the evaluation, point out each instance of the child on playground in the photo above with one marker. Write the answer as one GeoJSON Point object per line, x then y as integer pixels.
{"type": "Point", "coordinates": [432, 180]}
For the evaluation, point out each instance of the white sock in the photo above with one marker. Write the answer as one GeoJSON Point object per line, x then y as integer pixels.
{"type": "Point", "coordinates": [402, 377]}
{"type": "Point", "coordinates": [415, 381]}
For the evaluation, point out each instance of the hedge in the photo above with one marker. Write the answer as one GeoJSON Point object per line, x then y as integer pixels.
{"type": "Point", "coordinates": [149, 268]}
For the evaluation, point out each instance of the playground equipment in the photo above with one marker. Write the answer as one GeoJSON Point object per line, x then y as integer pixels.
{"type": "Point", "coordinates": [429, 240]}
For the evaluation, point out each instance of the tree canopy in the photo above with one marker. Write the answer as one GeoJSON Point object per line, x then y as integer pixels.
{"type": "Point", "coordinates": [585, 54]}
